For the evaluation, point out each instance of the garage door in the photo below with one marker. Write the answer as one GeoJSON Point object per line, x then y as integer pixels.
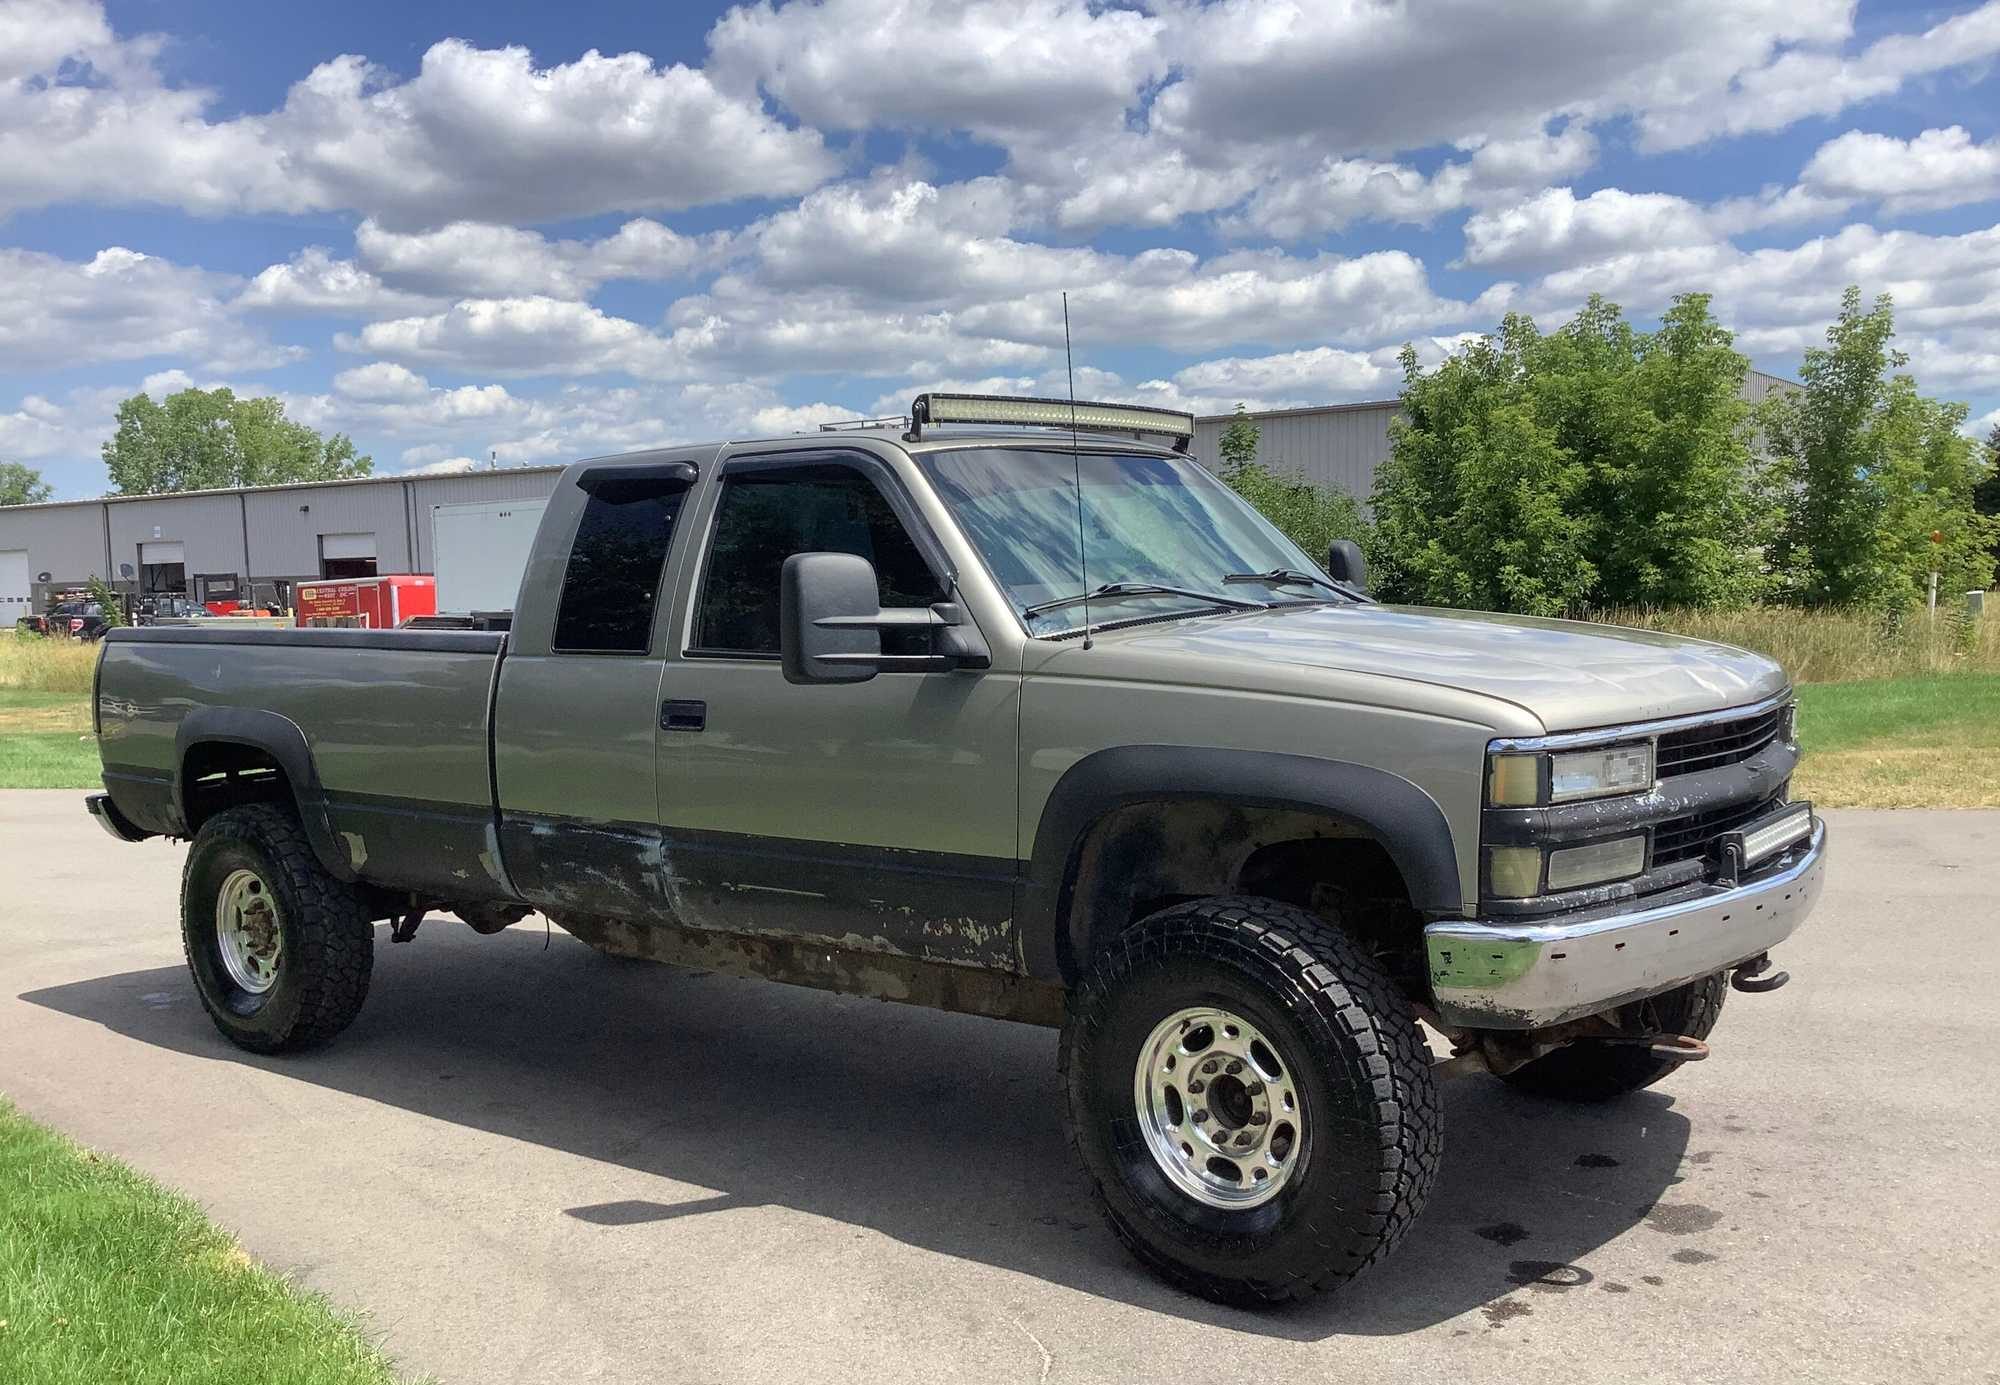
{"type": "Point", "coordinates": [347, 545]}
{"type": "Point", "coordinates": [153, 554]}
{"type": "Point", "coordinates": [13, 586]}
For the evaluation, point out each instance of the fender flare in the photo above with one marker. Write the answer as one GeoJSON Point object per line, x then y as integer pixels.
{"type": "Point", "coordinates": [1391, 810]}
{"type": "Point", "coordinates": [281, 739]}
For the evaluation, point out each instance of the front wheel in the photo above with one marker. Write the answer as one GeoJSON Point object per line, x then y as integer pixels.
{"type": "Point", "coordinates": [1251, 1098]}
{"type": "Point", "coordinates": [280, 950]}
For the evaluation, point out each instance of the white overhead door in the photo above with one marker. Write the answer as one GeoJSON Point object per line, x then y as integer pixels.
{"type": "Point", "coordinates": [173, 552]}
{"type": "Point", "coordinates": [14, 591]}
{"type": "Point", "coordinates": [346, 545]}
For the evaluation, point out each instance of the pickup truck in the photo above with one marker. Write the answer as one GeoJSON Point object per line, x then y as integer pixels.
{"type": "Point", "coordinates": [1007, 709]}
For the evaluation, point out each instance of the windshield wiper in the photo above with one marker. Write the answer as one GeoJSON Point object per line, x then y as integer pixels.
{"type": "Point", "coordinates": [1292, 577]}
{"type": "Point", "coordinates": [1113, 590]}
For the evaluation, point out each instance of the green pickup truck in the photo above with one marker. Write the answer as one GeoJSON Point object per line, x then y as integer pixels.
{"type": "Point", "coordinates": [1013, 709]}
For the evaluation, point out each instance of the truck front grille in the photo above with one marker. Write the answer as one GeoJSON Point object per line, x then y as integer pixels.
{"type": "Point", "coordinates": [1717, 743]}
{"type": "Point", "coordinates": [1691, 837]}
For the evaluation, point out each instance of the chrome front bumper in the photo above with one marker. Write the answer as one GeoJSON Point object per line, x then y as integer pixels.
{"type": "Point", "coordinates": [1514, 974]}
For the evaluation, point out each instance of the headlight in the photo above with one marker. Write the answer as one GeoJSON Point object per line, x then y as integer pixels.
{"type": "Point", "coordinates": [1597, 773]}
{"type": "Point", "coordinates": [1517, 872]}
{"type": "Point", "coordinates": [1524, 780]}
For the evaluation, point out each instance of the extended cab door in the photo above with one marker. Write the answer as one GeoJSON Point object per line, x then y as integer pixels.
{"type": "Point", "coordinates": [878, 815]}
{"type": "Point", "coordinates": [578, 699]}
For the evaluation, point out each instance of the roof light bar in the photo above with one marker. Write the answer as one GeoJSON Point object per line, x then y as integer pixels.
{"type": "Point", "coordinates": [1049, 413]}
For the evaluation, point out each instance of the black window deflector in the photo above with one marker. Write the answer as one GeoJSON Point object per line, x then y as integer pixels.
{"type": "Point", "coordinates": [623, 483]}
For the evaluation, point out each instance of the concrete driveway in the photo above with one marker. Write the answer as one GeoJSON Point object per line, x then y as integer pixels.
{"type": "Point", "coordinates": [530, 1163]}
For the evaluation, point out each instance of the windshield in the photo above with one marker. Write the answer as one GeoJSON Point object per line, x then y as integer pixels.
{"type": "Point", "coordinates": [1161, 520]}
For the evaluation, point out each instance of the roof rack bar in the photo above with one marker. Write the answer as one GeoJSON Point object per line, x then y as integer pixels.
{"type": "Point", "coordinates": [842, 425]}
{"type": "Point", "coordinates": [1087, 416]}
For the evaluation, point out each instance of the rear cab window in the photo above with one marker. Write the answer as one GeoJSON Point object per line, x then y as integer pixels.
{"type": "Point", "coordinates": [611, 584]}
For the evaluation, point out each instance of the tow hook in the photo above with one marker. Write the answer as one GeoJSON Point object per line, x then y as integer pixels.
{"type": "Point", "coordinates": [403, 927]}
{"type": "Point", "coordinates": [1679, 1047]}
{"type": "Point", "coordinates": [1750, 978]}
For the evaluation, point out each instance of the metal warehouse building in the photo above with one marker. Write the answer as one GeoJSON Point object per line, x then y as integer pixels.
{"type": "Point", "coordinates": [199, 542]}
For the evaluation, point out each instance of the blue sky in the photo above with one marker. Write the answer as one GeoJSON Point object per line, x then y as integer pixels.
{"type": "Point", "coordinates": [548, 231]}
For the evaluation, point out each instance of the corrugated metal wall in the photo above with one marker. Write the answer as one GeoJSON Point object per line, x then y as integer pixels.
{"type": "Point", "coordinates": [1338, 446]}
{"type": "Point", "coordinates": [285, 526]}
{"type": "Point", "coordinates": [65, 541]}
{"type": "Point", "coordinates": [209, 526]}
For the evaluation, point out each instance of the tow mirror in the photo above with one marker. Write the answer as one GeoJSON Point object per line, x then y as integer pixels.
{"type": "Point", "coordinates": [830, 625]}
{"type": "Point", "coordinates": [1344, 563]}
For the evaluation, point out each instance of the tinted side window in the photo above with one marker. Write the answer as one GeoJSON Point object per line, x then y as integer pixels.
{"type": "Point", "coordinates": [766, 516]}
{"type": "Point", "coordinates": [613, 580]}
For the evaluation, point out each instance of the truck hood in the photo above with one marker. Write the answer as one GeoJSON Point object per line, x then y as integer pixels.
{"type": "Point", "coordinates": [1569, 674]}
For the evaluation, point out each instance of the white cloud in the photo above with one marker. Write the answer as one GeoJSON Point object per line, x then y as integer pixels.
{"type": "Point", "coordinates": [1814, 81]}
{"type": "Point", "coordinates": [1555, 228]}
{"type": "Point", "coordinates": [381, 382]}
{"type": "Point", "coordinates": [476, 134]}
{"type": "Point", "coordinates": [994, 68]}
{"type": "Point", "coordinates": [480, 260]}
{"type": "Point", "coordinates": [1983, 426]}
{"type": "Point", "coordinates": [121, 305]}
{"type": "Point", "coordinates": [313, 281]}
{"type": "Point", "coordinates": [1938, 168]}
{"type": "Point", "coordinates": [529, 335]}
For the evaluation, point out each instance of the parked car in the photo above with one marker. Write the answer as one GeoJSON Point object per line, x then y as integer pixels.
{"type": "Point", "coordinates": [79, 620]}
{"type": "Point", "coordinates": [153, 609]}
{"type": "Point", "coordinates": [846, 711]}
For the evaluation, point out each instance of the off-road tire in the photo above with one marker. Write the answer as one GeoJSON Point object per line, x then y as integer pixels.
{"type": "Point", "coordinates": [328, 937]}
{"type": "Point", "coordinates": [1586, 1071]}
{"type": "Point", "coordinates": [1375, 1134]}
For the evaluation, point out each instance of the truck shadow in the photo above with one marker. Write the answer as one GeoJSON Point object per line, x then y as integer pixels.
{"type": "Point", "coordinates": [939, 1130]}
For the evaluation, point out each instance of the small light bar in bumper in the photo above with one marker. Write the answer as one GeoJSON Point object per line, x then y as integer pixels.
{"type": "Point", "coordinates": [1516, 974]}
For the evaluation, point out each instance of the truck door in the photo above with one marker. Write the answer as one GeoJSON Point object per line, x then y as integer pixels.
{"type": "Point", "coordinates": [873, 815]}
{"type": "Point", "coordinates": [579, 694]}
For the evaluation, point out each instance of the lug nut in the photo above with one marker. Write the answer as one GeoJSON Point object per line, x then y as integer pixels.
{"type": "Point", "coordinates": [1196, 1086]}
{"type": "Point", "coordinates": [1236, 1065]}
{"type": "Point", "coordinates": [1245, 1138]}
{"type": "Point", "coordinates": [1254, 1088]}
{"type": "Point", "coordinates": [1200, 1117]}
{"type": "Point", "coordinates": [1210, 1066]}
{"type": "Point", "coordinates": [1258, 1117]}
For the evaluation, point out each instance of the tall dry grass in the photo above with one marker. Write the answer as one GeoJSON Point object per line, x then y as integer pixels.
{"type": "Point", "coordinates": [30, 663]}
{"type": "Point", "coordinates": [1823, 646]}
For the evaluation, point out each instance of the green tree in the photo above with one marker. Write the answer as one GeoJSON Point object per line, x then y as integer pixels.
{"type": "Point", "coordinates": [1986, 494]}
{"type": "Point", "coordinates": [105, 595]}
{"type": "Point", "coordinates": [1472, 508]}
{"type": "Point", "coordinates": [1238, 444]}
{"type": "Point", "coordinates": [1876, 481]}
{"type": "Point", "coordinates": [1595, 465]}
{"type": "Point", "coordinates": [22, 485]}
{"type": "Point", "coordinates": [208, 439]}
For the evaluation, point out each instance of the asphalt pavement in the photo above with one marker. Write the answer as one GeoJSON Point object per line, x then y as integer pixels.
{"type": "Point", "coordinates": [526, 1162]}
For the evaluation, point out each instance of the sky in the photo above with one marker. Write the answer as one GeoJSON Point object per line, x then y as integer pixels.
{"type": "Point", "coordinates": [537, 232]}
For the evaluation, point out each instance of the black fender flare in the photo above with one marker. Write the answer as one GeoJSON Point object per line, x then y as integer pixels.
{"type": "Point", "coordinates": [281, 739]}
{"type": "Point", "coordinates": [1389, 809]}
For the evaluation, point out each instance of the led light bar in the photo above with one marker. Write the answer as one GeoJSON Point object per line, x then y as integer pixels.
{"type": "Point", "coordinates": [1049, 413]}
{"type": "Point", "coordinates": [1774, 836]}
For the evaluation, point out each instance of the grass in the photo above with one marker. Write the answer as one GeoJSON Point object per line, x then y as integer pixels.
{"type": "Point", "coordinates": [45, 741]}
{"type": "Point", "coordinates": [1836, 646]}
{"type": "Point", "coordinates": [106, 1276]}
{"type": "Point", "coordinates": [30, 663]}
{"type": "Point", "coordinates": [1902, 743]}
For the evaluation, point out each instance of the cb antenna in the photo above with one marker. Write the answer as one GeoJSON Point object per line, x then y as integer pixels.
{"type": "Point", "coordinates": [1076, 470]}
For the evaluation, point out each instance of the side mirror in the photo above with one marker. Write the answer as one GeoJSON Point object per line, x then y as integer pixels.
{"type": "Point", "coordinates": [1344, 563]}
{"type": "Point", "coordinates": [830, 625]}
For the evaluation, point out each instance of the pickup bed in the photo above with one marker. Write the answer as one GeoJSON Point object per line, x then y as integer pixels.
{"type": "Point", "coordinates": [1046, 727]}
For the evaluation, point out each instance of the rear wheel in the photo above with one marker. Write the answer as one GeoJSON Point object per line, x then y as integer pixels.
{"type": "Point", "coordinates": [1589, 1071]}
{"type": "Point", "coordinates": [1252, 1099]}
{"type": "Point", "coordinates": [280, 950]}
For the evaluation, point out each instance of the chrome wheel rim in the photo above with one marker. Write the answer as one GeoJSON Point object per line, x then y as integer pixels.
{"type": "Point", "coordinates": [247, 931]}
{"type": "Point", "coordinates": [1218, 1103]}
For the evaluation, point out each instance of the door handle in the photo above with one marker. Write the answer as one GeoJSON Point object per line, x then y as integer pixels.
{"type": "Point", "coordinates": [683, 715]}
